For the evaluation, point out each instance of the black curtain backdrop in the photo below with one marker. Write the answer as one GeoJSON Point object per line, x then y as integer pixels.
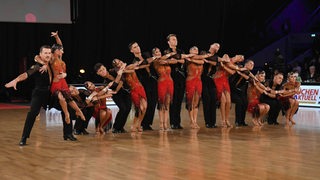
{"type": "Point", "coordinates": [103, 29]}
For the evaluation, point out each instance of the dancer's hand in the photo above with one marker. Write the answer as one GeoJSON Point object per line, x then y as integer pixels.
{"type": "Point", "coordinates": [54, 34]}
{"type": "Point", "coordinates": [12, 83]}
{"type": "Point", "coordinates": [43, 69]}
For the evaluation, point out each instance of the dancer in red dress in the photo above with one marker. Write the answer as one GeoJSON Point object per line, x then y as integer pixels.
{"type": "Point", "coordinates": [137, 92]}
{"type": "Point", "coordinates": [255, 107]}
{"type": "Point", "coordinates": [194, 84]}
{"type": "Point", "coordinates": [165, 85]}
{"type": "Point", "coordinates": [102, 113]}
{"type": "Point", "coordinates": [226, 67]}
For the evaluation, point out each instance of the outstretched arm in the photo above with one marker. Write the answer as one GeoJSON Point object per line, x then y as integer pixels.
{"type": "Point", "coordinates": [196, 61]}
{"type": "Point", "coordinates": [201, 56]}
{"type": "Point", "coordinates": [14, 82]}
{"type": "Point", "coordinates": [260, 87]}
{"type": "Point", "coordinates": [230, 71]}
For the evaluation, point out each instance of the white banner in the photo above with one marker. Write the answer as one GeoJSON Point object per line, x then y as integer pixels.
{"type": "Point", "coordinates": [309, 96]}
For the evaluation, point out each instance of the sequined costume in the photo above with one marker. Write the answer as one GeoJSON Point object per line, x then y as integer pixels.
{"type": "Point", "coordinates": [220, 79]}
{"type": "Point", "coordinates": [165, 85]}
{"type": "Point", "coordinates": [136, 89]}
{"type": "Point", "coordinates": [60, 85]}
{"type": "Point", "coordinates": [253, 100]}
{"type": "Point", "coordinates": [193, 83]}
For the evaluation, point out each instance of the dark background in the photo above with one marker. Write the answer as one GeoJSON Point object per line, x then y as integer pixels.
{"type": "Point", "coordinates": [102, 29]}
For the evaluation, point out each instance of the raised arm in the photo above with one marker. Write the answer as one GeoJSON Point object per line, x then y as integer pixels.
{"type": "Point", "coordinates": [56, 36]}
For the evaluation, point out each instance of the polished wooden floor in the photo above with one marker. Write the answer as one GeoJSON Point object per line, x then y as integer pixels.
{"type": "Point", "coordinates": [269, 152]}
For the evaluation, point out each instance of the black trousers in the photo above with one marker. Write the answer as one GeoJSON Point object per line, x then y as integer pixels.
{"type": "Point", "coordinates": [209, 99]}
{"type": "Point", "coordinates": [39, 99]}
{"type": "Point", "coordinates": [241, 103]}
{"type": "Point", "coordinates": [81, 124]}
{"type": "Point", "coordinates": [178, 94]}
{"type": "Point", "coordinates": [151, 90]}
{"type": "Point", "coordinates": [275, 108]}
{"type": "Point", "coordinates": [67, 128]}
{"type": "Point", "coordinates": [123, 101]}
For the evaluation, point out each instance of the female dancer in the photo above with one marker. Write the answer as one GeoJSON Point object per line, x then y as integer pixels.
{"type": "Point", "coordinates": [255, 107]}
{"type": "Point", "coordinates": [102, 113]}
{"type": "Point", "coordinates": [194, 84]}
{"type": "Point", "coordinates": [137, 92]}
{"type": "Point", "coordinates": [289, 103]}
{"type": "Point", "coordinates": [165, 85]}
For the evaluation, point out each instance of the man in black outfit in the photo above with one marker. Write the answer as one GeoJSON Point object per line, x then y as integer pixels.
{"type": "Point", "coordinates": [179, 79]}
{"type": "Point", "coordinates": [238, 87]}
{"type": "Point", "coordinates": [209, 96]}
{"type": "Point", "coordinates": [275, 105]}
{"type": "Point", "coordinates": [40, 94]}
{"type": "Point", "coordinates": [147, 77]}
{"type": "Point", "coordinates": [80, 96]}
{"type": "Point", "coordinates": [121, 98]}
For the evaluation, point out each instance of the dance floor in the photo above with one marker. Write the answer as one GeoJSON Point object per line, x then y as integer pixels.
{"type": "Point", "coordinates": [12, 106]}
{"type": "Point", "coordinates": [267, 152]}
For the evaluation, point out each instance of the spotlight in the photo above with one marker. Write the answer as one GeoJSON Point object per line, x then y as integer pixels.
{"type": "Point", "coordinates": [82, 71]}
{"type": "Point", "coordinates": [313, 35]}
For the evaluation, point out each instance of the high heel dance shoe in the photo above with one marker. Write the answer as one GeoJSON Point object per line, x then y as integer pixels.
{"type": "Point", "coordinates": [69, 137]}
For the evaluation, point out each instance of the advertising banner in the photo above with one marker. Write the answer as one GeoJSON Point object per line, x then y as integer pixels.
{"type": "Point", "coordinates": [309, 96]}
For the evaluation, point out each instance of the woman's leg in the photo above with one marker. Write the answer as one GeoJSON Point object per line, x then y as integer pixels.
{"type": "Point", "coordinates": [295, 105]}
{"type": "Point", "coordinates": [195, 104]}
{"type": "Point", "coordinates": [227, 108]}
{"type": "Point", "coordinates": [64, 107]}
{"type": "Point", "coordinates": [143, 109]}
{"type": "Point", "coordinates": [74, 106]}
{"type": "Point", "coordinates": [223, 110]}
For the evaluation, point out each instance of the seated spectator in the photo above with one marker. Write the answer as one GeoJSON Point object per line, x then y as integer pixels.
{"type": "Point", "coordinates": [312, 75]}
{"type": "Point", "coordinates": [297, 75]}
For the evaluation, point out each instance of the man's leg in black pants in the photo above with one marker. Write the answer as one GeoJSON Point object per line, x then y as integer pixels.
{"type": "Point", "coordinates": [67, 129]}
{"type": "Point", "coordinates": [127, 108]}
{"type": "Point", "coordinates": [35, 106]}
{"type": "Point", "coordinates": [88, 112]}
{"type": "Point", "coordinates": [240, 107]}
{"type": "Point", "coordinates": [175, 107]}
{"type": "Point", "coordinates": [213, 105]}
{"type": "Point", "coordinates": [154, 101]}
{"type": "Point", "coordinates": [151, 92]}
{"type": "Point", "coordinates": [123, 101]}
{"type": "Point", "coordinates": [244, 109]}
{"type": "Point", "coordinates": [208, 98]}
{"type": "Point", "coordinates": [274, 112]}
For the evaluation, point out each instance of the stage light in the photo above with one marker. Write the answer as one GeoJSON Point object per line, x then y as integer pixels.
{"type": "Point", "coordinates": [82, 71]}
{"type": "Point", "coordinates": [313, 35]}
